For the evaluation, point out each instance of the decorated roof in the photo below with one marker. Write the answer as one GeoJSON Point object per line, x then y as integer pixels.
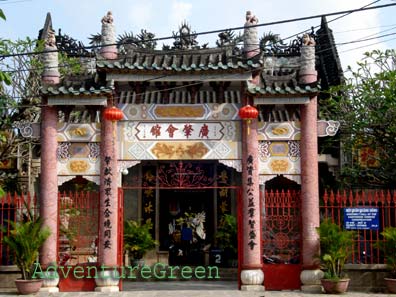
{"type": "Point", "coordinates": [62, 90]}
{"type": "Point", "coordinates": [180, 60]}
{"type": "Point", "coordinates": [276, 65]}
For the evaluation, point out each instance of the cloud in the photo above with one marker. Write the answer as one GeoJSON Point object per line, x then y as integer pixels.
{"type": "Point", "coordinates": [180, 11]}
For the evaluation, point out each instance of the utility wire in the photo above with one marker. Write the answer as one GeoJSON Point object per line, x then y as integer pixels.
{"type": "Point", "coordinates": [218, 30]}
{"type": "Point", "coordinates": [182, 86]}
{"type": "Point", "coordinates": [337, 18]}
{"type": "Point", "coordinates": [81, 63]}
{"type": "Point", "coordinates": [178, 87]}
{"type": "Point", "coordinates": [362, 39]}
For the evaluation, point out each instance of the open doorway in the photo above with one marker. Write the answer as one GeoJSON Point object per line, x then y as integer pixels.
{"type": "Point", "coordinates": [186, 224]}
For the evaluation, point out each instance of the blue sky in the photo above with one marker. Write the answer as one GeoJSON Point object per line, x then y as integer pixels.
{"type": "Point", "coordinates": [80, 19]}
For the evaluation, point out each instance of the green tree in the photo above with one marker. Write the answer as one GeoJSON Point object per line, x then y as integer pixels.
{"type": "Point", "coordinates": [19, 102]}
{"type": "Point", "coordinates": [4, 79]}
{"type": "Point", "coordinates": [366, 107]}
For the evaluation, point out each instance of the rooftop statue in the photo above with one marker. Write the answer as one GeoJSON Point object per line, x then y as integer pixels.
{"type": "Point", "coordinates": [108, 18]}
{"type": "Point", "coordinates": [50, 41]}
{"type": "Point", "coordinates": [307, 40]}
{"type": "Point", "coordinates": [108, 32]}
{"type": "Point", "coordinates": [50, 60]}
{"type": "Point", "coordinates": [251, 42]}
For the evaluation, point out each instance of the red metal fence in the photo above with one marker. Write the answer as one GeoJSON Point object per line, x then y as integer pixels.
{"type": "Point", "coordinates": [13, 208]}
{"type": "Point", "coordinates": [78, 227]}
{"type": "Point", "coordinates": [364, 249]}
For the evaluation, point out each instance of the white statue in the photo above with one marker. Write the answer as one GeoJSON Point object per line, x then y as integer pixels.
{"type": "Point", "coordinates": [108, 32]}
{"type": "Point", "coordinates": [250, 40]}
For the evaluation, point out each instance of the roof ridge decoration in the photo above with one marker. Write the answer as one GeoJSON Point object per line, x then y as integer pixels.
{"type": "Point", "coordinates": [185, 39]}
{"type": "Point", "coordinates": [272, 44]}
{"type": "Point", "coordinates": [142, 40]}
{"type": "Point", "coordinates": [228, 38]}
{"type": "Point", "coordinates": [71, 46]}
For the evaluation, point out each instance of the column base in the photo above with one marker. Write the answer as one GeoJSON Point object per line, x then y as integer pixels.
{"type": "Point", "coordinates": [49, 289]}
{"type": "Point", "coordinates": [107, 289]}
{"type": "Point", "coordinates": [310, 280]}
{"type": "Point", "coordinates": [252, 280]}
{"type": "Point", "coordinates": [312, 289]}
{"type": "Point", "coordinates": [254, 288]}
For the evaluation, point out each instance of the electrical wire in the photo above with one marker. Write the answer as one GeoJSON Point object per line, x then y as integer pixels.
{"type": "Point", "coordinates": [184, 86]}
{"type": "Point", "coordinates": [218, 30]}
{"type": "Point", "coordinates": [337, 18]}
{"type": "Point", "coordinates": [362, 39]}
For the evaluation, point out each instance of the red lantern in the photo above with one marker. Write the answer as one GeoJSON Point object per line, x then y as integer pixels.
{"type": "Point", "coordinates": [248, 113]}
{"type": "Point", "coordinates": [113, 114]}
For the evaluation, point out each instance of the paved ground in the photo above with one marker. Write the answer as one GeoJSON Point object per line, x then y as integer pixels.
{"type": "Point", "coordinates": [190, 289]}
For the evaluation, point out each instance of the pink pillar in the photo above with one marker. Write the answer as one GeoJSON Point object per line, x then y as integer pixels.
{"type": "Point", "coordinates": [252, 276]}
{"type": "Point", "coordinates": [309, 183]}
{"type": "Point", "coordinates": [311, 274]}
{"type": "Point", "coordinates": [49, 183]}
{"type": "Point", "coordinates": [108, 217]}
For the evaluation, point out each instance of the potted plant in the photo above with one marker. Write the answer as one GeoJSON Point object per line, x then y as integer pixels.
{"type": "Point", "coordinates": [25, 239]}
{"type": "Point", "coordinates": [138, 239]}
{"type": "Point", "coordinates": [227, 239]}
{"type": "Point", "coordinates": [335, 247]}
{"type": "Point", "coordinates": [388, 246]}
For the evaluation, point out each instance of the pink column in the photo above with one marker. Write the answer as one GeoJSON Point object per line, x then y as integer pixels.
{"type": "Point", "coordinates": [108, 217]}
{"type": "Point", "coordinates": [311, 274]}
{"type": "Point", "coordinates": [309, 183]}
{"type": "Point", "coordinates": [49, 183]}
{"type": "Point", "coordinates": [252, 276]}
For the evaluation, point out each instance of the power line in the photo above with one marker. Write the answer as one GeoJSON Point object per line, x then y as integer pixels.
{"type": "Point", "coordinates": [65, 66]}
{"type": "Point", "coordinates": [337, 18]}
{"type": "Point", "coordinates": [225, 75]}
{"type": "Point", "coordinates": [218, 30]}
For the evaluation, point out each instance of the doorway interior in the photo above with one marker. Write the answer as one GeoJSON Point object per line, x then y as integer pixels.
{"type": "Point", "coordinates": [186, 224]}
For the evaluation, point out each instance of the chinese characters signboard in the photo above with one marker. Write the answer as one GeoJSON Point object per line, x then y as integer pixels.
{"type": "Point", "coordinates": [179, 131]}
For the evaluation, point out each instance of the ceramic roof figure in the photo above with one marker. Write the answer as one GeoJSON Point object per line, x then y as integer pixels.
{"type": "Point", "coordinates": [51, 73]}
{"type": "Point", "coordinates": [108, 38]}
{"type": "Point", "coordinates": [251, 42]}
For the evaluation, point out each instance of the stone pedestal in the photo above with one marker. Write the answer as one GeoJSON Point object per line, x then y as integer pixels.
{"type": "Point", "coordinates": [310, 280]}
{"type": "Point", "coordinates": [107, 281]}
{"type": "Point", "coordinates": [252, 280]}
{"type": "Point", "coordinates": [109, 52]}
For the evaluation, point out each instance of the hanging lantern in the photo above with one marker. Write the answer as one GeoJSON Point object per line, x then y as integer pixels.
{"type": "Point", "coordinates": [248, 113]}
{"type": "Point", "coordinates": [113, 114]}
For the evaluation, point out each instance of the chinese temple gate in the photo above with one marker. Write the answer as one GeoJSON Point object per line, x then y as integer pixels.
{"type": "Point", "coordinates": [183, 145]}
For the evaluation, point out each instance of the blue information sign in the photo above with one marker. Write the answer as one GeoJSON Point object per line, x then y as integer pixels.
{"type": "Point", "coordinates": [361, 218]}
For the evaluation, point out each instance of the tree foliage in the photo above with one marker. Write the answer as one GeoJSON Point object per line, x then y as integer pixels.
{"type": "Point", "coordinates": [19, 103]}
{"type": "Point", "coordinates": [366, 107]}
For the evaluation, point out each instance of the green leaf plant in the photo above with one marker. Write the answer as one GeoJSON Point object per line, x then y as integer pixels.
{"type": "Point", "coordinates": [335, 248]}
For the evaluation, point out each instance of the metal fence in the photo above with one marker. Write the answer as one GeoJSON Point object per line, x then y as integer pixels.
{"type": "Point", "coordinates": [78, 215]}
{"type": "Point", "coordinates": [13, 208]}
{"type": "Point", "coordinates": [78, 227]}
{"type": "Point", "coordinates": [78, 224]}
{"type": "Point", "coordinates": [375, 211]}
